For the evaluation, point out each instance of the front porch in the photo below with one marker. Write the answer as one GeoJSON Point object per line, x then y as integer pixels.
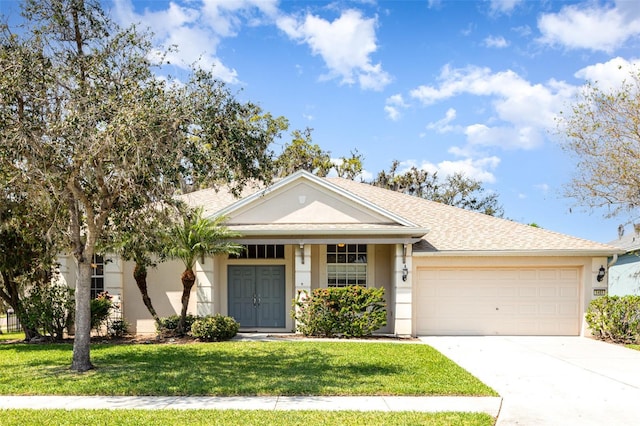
{"type": "Point", "coordinates": [258, 288]}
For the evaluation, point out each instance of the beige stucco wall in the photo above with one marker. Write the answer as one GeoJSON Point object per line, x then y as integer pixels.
{"type": "Point", "coordinates": [304, 203]}
{"type": "Point", "coordinates": [165, 290]}
{"type": "Point", "coordinates": [587, 266]}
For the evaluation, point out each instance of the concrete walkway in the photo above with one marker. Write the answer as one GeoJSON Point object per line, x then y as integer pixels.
{"type": "Point", "coordinates": [489, 405]}
{"type": "Point", "coordinates": [552, 380]}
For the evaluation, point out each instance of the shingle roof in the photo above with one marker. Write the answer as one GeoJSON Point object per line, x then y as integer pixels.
{"type": "Point", "coordinates": [455, 229]}
{"type": "Point", "coordinates": [628, 242]}
{"type": "Point", "coordinates": [451, 229]}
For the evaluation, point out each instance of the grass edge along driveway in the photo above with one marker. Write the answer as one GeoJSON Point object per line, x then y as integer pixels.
{"type": "Point", "coordinates": [236, 368]}
{"type": "Point", "coordinates": [238, 417]}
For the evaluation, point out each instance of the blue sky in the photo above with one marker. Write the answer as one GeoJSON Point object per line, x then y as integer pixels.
{"type": "Point", "coordinates": [469, 86]}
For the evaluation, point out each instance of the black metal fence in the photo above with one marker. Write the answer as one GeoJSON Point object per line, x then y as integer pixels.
{"type": "Point", "coordinates": [12, 324]}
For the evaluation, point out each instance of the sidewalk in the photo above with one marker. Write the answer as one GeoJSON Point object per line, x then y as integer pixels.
{"type": "Point", "coordinates": [489, 405]}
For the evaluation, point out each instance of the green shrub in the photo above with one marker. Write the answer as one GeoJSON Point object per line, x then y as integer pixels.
{"type": "Point", "coordinates": [117, 328]}
{"type": "Point", "coordinates": [615, 318]}
{"type": "Point", "coordinates": [352, 311]}
{"type": "Point", "coordinates": [49, 310]}
{"type": "Point", "coordinates": [215, 328]}
{"type": "Point", "coordinates": [168, 325]}
{"type": "Point", "coordinates": [100, 310]}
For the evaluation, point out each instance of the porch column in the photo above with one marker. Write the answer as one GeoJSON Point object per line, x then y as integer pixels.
{"type": "Point", "coordinates": [302, 274]}
{"type": "Point", "coordinates": [204, 287]}
{"type": "Point", "coordinates": [403, 290]}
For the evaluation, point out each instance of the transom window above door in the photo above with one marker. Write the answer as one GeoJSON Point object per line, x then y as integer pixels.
{"type": "Point", "coordinates": [260, 251]}
{"type": "Point", "coordinates": [346, 265]}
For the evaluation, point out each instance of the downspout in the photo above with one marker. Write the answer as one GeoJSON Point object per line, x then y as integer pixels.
{"type": "Point", "coordinates": [614, 259]}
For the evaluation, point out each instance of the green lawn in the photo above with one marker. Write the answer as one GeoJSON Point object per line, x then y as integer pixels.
{"type": "Point", "coordinates": [635, 347]}
{"type": "Point", "coordinates": [11, 336]}
{"type": "Point", "coordinates": [237, 368]}
{"type": "Point", "coordinates": [236, 417]}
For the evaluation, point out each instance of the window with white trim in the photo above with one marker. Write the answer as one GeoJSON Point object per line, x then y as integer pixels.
{"type": "Point", "coordinates": [97, 275]}
{"type": "Point", "coordinates": [260, 251]}
{"type": "Point", "coordinates": [346, 265]}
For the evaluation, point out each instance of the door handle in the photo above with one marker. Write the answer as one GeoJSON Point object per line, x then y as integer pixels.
{"type": "Point", "coordinates": [255, 300]}
{"type": "Point", "coordinates": [259, 300]}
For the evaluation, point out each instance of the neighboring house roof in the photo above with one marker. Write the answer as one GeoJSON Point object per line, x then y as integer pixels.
{"type": "Point", "coordinates": [449, 230]}
{"type": "Point", "coordinates": [628, 242]}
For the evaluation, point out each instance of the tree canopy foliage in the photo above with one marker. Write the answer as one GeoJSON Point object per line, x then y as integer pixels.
{"type": "Point", "coordinates": [86, 124]}
{"type": "Point", "coordinates": [303, 154]}
{"type": "Point", "coordinates": [602, 132]}
{"type": "Point", "coordinates": [455, 190]}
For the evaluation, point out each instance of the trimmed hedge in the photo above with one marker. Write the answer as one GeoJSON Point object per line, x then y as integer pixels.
{"type": "Point", "coordinates": [352, 311]}
{"type": "Point", "coordinates": [168, 325]}
{"type": "Point", "coordinates": [215, 328]}
{"type": "Point", "coordinates": [615, 318]}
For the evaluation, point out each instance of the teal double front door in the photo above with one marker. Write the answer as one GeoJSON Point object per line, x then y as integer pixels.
{"type": "Point", "coordinates": [257, 296]}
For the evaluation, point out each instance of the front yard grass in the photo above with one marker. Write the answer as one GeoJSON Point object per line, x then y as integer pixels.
{"type": "Point", "coordinates": [237, 368]}
{"type": "Point", "coordinates": [18, 335]}
{"type": "Point", "coordinates": [237, 417]}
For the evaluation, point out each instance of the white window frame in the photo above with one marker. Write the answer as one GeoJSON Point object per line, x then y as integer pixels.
{"type": "Point", "coordinates": [97, 275]}
{"type": "Point", "coordinates": [347, 265]}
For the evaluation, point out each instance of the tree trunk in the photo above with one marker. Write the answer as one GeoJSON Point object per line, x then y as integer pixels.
{"type": "Point", "coordinates": [140, 275]}
{"type": "Point", "coordinates": [188, 279]}
{"type": "Point", "coordinates": [82, 340]}
{"type": "Point", "coordinates": [11, 295]}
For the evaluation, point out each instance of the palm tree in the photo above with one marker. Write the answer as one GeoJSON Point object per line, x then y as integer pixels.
{"type": "Point", "coordinates": [140, 237]}
{"type": "Point", "coordinates": [193, 239]}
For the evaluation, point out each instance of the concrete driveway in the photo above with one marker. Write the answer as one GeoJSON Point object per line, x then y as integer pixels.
{"type": "Point", "coordinates": [552, 380]}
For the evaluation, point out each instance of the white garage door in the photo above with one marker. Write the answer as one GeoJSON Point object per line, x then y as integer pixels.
{"type": "Point", "coordinates": [498, 301]}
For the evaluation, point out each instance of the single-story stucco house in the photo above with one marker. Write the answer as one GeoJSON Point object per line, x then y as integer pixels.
{"type": "Point", "coordinates": [445, 270]}
{"type": "Point", "coordinates": [624, 272]}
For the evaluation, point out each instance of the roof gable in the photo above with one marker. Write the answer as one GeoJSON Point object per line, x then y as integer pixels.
{"type": "Point", "coordinates": [342, 207]}
{"type": "Point", "coordinates": [303, 198]}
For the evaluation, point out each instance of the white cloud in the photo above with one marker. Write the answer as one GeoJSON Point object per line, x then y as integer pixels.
{"type": "Point", "coordinates": [480, 169]}
{"type": "Point", "coordinates": [345, 44]}
{"type": "Point", "coordinates": [504, 136]}
{"type": "Point", "coordinates": [226, 17]}
{"type": "Point", "coordinates": [498, 42]}
{"type": "Point", "coordinates": [443, 125]}
{"type": "Point", "coordinates": [591, 27]}
{"type": "Point", "coordinates": [503, 6]}
{"type": "Point", "coordinates": [522, 111]}
{"type": "Point", "coordinates": [393, 105]}
{"type": "Point", "coordinates": [609, 75]}
{"type": "Point", "coordinates": [392, 112]}
{"type": "Point", "coordinates": [181, 26]}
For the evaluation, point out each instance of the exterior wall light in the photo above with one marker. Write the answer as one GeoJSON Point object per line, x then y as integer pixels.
{"type": "Point", "coordinates": [601, 273]}
{"type": "Point", "coordinates": [405, 272]}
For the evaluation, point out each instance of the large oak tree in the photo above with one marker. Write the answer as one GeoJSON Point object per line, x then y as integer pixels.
{"type": "Point", "coordinates": [86, 122]}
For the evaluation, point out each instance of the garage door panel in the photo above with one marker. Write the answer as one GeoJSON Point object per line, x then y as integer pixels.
{"type": "Point", "coordinates": [569, 292]}
{"type": "Point", "coordinates": [509, 301]}
{"type": "Point", "coordinates": [548, 292]}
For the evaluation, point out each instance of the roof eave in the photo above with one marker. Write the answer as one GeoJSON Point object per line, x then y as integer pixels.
{"type": "Point", "coordinates": [523, 253]}
{"type": "Point", "coordinates": [409, 233]}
